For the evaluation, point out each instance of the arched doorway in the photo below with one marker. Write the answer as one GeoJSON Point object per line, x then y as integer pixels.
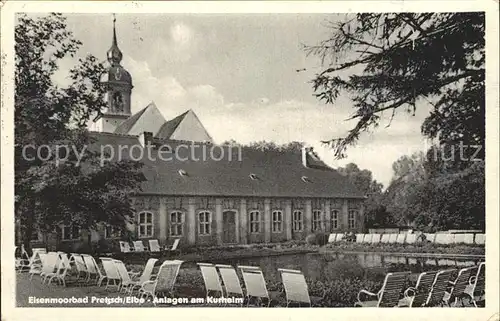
{"type": "Point", "coordinates": [229, 227]}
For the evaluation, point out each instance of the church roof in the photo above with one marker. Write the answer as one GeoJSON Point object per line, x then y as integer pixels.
{"type": "Point", "coordinates": [148, 119]}
{"type": "Point", "coordinates": [170, 126]}
{"type": "Point", "coordinates": [257, 173]}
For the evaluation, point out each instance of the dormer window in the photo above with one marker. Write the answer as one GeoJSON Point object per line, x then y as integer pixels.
{"type": "Point", "coordinates": [253, 176]}
{"type": "Point", "coordinates": [182, 172]}
{"type": "Point", "coordinates": [305, 179]}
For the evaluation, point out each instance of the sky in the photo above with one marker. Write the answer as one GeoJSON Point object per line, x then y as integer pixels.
{"type": "Point", "coordinates": [238, 73]}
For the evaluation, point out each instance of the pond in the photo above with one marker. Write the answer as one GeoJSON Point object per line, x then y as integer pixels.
{"type": "Point", "coordinates": [330, 266]}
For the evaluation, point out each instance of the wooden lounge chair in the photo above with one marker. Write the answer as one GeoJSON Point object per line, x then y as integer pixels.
{"type": "Point", "coordinates": [360, 238]}
{"type": "Point", "coordinates": [479, 238]}
{"type": "Point", "coordinates": [439, 287]}
{"type": "Point", "coordinates": [111, 272]}
{"type": "Point", "coordinates": [430, 237]}
{"type": "Point", "coordinates": [165, 280]}
{"type": "Point", "coordinates": [139, 246]}
{"type": "Point", "coordinates": [339, 237]}
{"type": "Point", "coordinates": [389, 294]}
{"type": "Point", "coordinates": [125, 247]}
{"type": "Point", "coordinates": [79, 264]}
{"type": "Point", "coordinates": [296, 288]}
{"type": "Point", "coordinates": [411, 238]}
{"type": "Point", "coordinates": [255, 284]}
{"type": "Point", "coordinates": [92, 269]}
{"type": "Point", "coordinates": [400, 239]}
{"type": "Point", "coordinates": [61, 271]}
{"type": "Point", "coordinates": [375, 239]}
{"type": "Point", "coordinates": [332, 237]}
{"type": "Point", "coordinates": [385, 238]}
{"type": "Point", "coordinates": [367, 238]}
{"type": "Point", "coordinates": [444, 238]}
{"type": "Point", "coordinates": [174, 246]}
{"type": "Point", "coordinates": [475, 288]}
{"type": "Point", "coordinates": [417, 296]}
{"type": "Point", "coordinates": [146, 275]}
{"type": "Point", "coordinates": [230, 278]}
{"type": "Point", "coordinates": [393, 237]}
{"type": "Point", "coordinates": [126, 277]}
{"type": "Point", "coordinates": [50, 262]}
{"type": "Point", "coordinates": [457, 287]}
{"type": "Point", "coordinates": [211, 278]}
{"type": "Point", "coordinates": [154, 246]}
{"type": "Point", "coordinates": [33, 261]}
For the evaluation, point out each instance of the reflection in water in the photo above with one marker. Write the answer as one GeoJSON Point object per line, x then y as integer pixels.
{"type": "Point", "coordinates": [330, 266]}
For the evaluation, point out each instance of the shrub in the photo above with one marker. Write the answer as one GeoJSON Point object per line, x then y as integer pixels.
{"type": "Point", "coordinates": [321, 239]}
{"type": "Point", "coordinates": [311, 239]}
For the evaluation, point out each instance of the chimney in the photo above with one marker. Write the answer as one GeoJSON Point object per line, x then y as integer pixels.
{"type": "Point", "coordinates": [305, 152]}
{"type": "Point", "coordinates": [146, 138]}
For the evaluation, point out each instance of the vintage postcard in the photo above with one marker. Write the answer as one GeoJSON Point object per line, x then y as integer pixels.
{"type": "Point", "coordinates": [218, 156]}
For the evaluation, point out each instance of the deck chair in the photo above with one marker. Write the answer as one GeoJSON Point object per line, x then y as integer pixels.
{"type": "Point", "coordinates": [111, 272]}
{"type": "Point", "coordinates": [61, 271]}
{"type": "Point", "coordinates": [33, 261]}
{"type": "Point", "coordinates": [79, 264]}
{"type": "Point", "coordinates": [368, 238]}
{"type": "Point", "coordinates": [92, 269]}
{"type": "Point", "coordinates": [439, 287]}
{"type": "Point", "coordinates": [479, 238]}
{"type": "Point", "coordinates": [444, 238]}
{"type": "Point", "coordinates": [126, 277]}
{"type": "Point", "coordinates": [296, 288]}
{"type": "Point", "coordinates": [375, 239]}
{"type": "Point", "coordinates": [125, 247]}
{"type": "Point", "coordinates": [255, 284]}
{"type": "Point", "coordinates": [475, 288]}
{"type": "Point", "coordinates": [139, 246]}
{"type": "Point", "coordinates": [339, 237]}
{"type": "Point", "coordinates": [230, 278]}
{"type": "Point", "coordinates": [417, 296]}
{"type": "Point", "coordinates": [393, 238]}
{"type": "Point", "coordinates": [165, 280]}
{"type": "Point", "coordinates": [154, 246]}
{"type": "Point", "coordinates": [431, 237]}
{"type": "Point", "coordinates": [332, 237]}
{"type": "Point", "coordinates": [458, 287]}
{"type": "Point", "coordinates": [174, 246]}
{"type": "Point", "coordinates": [411, 238]}
{"type": "Point", "coordinates": [385, 238]}
{"type": "Point", "coordinates": [360, 238]}
{"type": "Point", "coordinates": [211, 278]}
{"type": "Point", "coordinates": [400, 239]}
{"type": "Point", "coordinates": [146, 275]}
{"type": "Point", "coordinates": [50, 262]}
{"type": "Point", "coordinates": [389, 294]}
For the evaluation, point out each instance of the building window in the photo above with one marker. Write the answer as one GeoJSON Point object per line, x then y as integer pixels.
{"type": "Point", "coordinates": [70, 232]}
{"type": "Point", "coordinates": [204, 223]}
{"type": "Point", "coordinates": [255, 222]}
{"type": "Point", "coordinates": [317, 222]}
{"type": "Point", "coordinates": [277, 221]}
{"type": "Point", "coordinates": [111, 232]}
{"type": "Point", "coordinates": [335, 219]}
{"type": "Point", "coordinates": [297, 221]}
{"type": "Point", "coordinates": [352, 218]}
{"type": "Point", "coordinates": [176, 222]}
{"type": "Point", "coordinates": [145, 224]}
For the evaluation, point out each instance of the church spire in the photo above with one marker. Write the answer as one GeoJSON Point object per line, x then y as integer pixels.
{"type": "Point", "coordinates": [114, 54]}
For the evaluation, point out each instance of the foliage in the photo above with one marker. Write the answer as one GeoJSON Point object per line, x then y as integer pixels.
{"type": "Point", "coordinates": [400, 61]}
{"type": "Point", "coordinates": [50, 191]}
{"type": "Point", "coordinates": [425, 247]}
{"type": "Point", "coordinates": [265, 145]}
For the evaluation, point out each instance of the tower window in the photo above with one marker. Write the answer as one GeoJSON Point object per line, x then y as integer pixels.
{"type": "Point", "coordinates": [118, 102]}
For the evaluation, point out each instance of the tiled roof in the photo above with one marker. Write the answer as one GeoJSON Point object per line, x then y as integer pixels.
{"type": "Point", "coordinates": [170, 126]}
{"type": "Point", "coordinates": [276, 173]}
{"type": "Point", "coordinates": [147, 119]}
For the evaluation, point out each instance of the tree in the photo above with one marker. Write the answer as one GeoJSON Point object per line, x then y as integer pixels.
{"type": "Point", "coordinates": [76, 190]}
{"type": "Point", "coordinates": [399, 61]}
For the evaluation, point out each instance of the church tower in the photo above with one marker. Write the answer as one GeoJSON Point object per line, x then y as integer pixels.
{"type": "Point", "coordinates": [118, 84]}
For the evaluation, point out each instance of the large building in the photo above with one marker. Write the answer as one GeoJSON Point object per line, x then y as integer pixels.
{"type": "Point", "coordinates": [218, 194]}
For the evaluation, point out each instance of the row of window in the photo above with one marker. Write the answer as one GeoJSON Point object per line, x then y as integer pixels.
{"type": "Point", "coordinates": [145, 226]}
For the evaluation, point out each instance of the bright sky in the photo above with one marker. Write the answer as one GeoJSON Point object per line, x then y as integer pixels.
{"type": "Point", "coordinates": [238, 73]}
